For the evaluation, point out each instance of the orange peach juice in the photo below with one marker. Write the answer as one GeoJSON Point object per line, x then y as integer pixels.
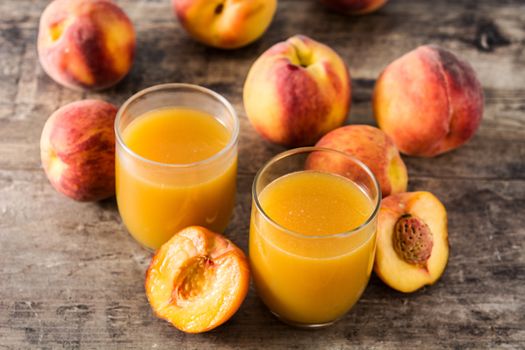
{"type": "Point", "coordinates": [156, 202]}
{"type": "Point", "coordinates": [307, 267]}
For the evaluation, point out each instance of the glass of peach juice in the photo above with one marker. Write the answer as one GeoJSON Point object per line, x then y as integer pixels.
{"type": "Point", "coordinates": [176, 161]}
{"type": "Point", "coordinates": [313, 234]}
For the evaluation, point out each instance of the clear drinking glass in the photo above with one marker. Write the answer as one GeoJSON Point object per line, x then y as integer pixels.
{"type": "Point", "coordinates": [311, 279]}
{"type": "Point", "coordinates": [156, 200]}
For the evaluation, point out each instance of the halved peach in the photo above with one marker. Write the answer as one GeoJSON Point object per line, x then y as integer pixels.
{"type": "Point", "coordinates": [412, 240]}
{"type": "Point", "coordinates": [197, 280]}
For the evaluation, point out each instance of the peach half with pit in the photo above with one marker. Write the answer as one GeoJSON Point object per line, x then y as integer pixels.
{"type": "Point", "coordinates": [412, 240]}
{"type": "Point", "coordinates": [197, 280]}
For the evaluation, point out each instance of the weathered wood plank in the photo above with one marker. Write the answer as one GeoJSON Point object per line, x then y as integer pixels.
{"type": "Point", "coordinates": [72, 278]}
{"type": "Point", "coordinates": [83, 284]}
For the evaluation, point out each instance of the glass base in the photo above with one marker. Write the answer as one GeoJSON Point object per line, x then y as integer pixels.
{"type": "Point", "coordinates": [145, 247]}
{"type": "Point", "coordinates": [148, 249]}
{"type": "Point", "coordinates": [304, 325]}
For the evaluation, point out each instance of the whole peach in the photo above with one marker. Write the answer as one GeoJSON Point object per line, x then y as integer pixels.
{"type": "Point", "coordinates": [429, 101]}
{"type": "Point", "coordinates": [85, 44]}
{"type": "Point", "coordinates": [355, 7]}
{"type": "Point", "coordinates": [77, 148]}
{"type": "Point", "coordinates": [374, 148]}
{"type": "Point", "coordinates": [226, 24]}
{"type": "Point", "coordinates": [297, 91]}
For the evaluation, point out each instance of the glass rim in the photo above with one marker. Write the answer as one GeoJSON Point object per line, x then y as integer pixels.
{"type": "Point", "coordinates": [311, 149]}
{"type": "Point", "coordinates": [205, 91]}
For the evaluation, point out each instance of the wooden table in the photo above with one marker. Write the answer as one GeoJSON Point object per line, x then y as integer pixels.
{"type": "Point", "coordinates": [72, 278]}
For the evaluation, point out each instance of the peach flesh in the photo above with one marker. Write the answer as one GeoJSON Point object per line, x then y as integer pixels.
{"type": "Point", "coordinates": [412, 240]}
{"type": "Point", "coordinates": [197, 280]}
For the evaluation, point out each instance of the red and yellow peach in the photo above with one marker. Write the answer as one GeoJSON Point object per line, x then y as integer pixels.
{"type": "Point", "coordinates": [226, 24]}
{"type": "Point", "coordinates": [371, 146]}
{"type": "Point", "coordinates": [428, 101]}
{"type": "Point", "coordinates": [297, 91]}
{"type": "Point", "coordinates": [85, 44]}
{"type": "Point", "coordinates": [77, 149]}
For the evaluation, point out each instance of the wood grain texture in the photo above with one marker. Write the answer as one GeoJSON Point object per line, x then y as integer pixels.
{"type": "Point", "coordinates": [72, 278]}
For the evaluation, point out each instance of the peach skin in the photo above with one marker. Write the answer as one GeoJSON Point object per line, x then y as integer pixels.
{"type": "Point", "coordinates": [428, 101]}
{"type": "Point", "coordinates": [412, 240]}
{"type": "Point", "coordinates": [77, 148]}
{"type": "Point", "coordinates": [374, 148]}
{"type": "Point", "coordinates": [85, 44]}
{"type": "Point", "coordinates": [225, 24]}
{"type": "Point", "coordinates": [355, 7]}
{"type": "Point", "coordinates": [297, 91]}
{"type": "Point", "coordinates": [197, 280]}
